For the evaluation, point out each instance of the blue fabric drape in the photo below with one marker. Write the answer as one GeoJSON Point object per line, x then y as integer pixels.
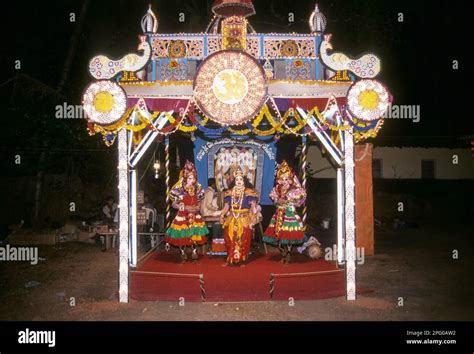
{"type": "Point", "coordinates": [204, 152]}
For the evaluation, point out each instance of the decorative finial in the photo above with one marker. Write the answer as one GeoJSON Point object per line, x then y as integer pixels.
{"type": "Point", "coordinates": [317, 21]}
{"type": "Point", "coordinates": [149, 22]}
{"type": "Point", "coordinates": [227, 8]}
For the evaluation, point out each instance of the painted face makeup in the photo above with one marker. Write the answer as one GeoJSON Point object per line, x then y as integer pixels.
{"type": "Point", "coordinates": [239, 181]}
{"type": "Point", "coordinates": [190, 181]}
{"type": "Point", "coordinates": [284, 180]}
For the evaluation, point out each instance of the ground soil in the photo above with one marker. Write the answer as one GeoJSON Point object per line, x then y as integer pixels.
{"type": "Point", "coordinates": [413, 274]}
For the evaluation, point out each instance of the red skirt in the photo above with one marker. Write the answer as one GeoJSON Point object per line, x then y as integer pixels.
{"type": "Point", "coordinates": [187, 231]}
{"type": "Point", "coordinates": [238, 247]}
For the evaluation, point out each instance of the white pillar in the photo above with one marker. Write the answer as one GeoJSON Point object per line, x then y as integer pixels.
{"type": "Point", "coordinates": [133, 218]}
{"type": "Point", "coordinates": [340, 215]}
{"type": "Point", "coordinates": [349, 186]}
{"type": "Point", "coordinates": [124, 215]}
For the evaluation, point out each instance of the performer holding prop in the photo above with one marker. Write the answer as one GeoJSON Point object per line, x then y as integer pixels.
{"type": "Point", "coordinates": [286, 228]}
{"type": "Point", "coordinates": [188, 227]}
{"type": "Point", "coordinates": [238, 218]}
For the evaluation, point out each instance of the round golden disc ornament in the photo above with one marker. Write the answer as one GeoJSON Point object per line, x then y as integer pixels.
{"type": "Point", "coordinates": [368, 100]}
{"type": "Point", "coordinates": [230, 87]}
{"type": "Point", "coordinates": [177, 49]}
{"type": "Point", "coordinates": [289, 48]}
{"type": "Point", "coordinates": [104, 102]}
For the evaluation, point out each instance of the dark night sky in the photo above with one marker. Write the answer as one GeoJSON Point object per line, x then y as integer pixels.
{"type": "Point", "coordinates": [416, 54]}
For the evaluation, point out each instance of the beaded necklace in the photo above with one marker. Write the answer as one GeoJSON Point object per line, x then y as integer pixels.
{"type": "Point", "coordinates": [190, 190]}
{"type": "Point", "coordinates": [283, 190]}
{"type": "Point", "coordinates": [239, 200]}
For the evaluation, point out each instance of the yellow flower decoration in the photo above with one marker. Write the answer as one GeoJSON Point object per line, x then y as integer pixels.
{"type": "Point", "coordinates": [104, 101]}
{"type": "Point", "coordinates": [369, 99]}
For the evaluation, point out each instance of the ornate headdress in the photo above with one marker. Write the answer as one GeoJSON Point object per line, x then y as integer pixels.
{"type": "Point", "coordinates": [179, 186]}
{"type": "Point", "coordinates": [284, 169]}
{"type": "Point", "coordinates": [238, 172]}
{"type": "Point", "coordinates": [187, 170]}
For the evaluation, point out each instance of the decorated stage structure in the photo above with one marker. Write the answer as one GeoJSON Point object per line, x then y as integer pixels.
{"type": "Point", "coordinates": [236, 92]}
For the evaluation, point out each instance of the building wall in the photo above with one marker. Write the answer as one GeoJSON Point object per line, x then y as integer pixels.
{"type": "Point", "coordinates": [318, 162]}
{"type": "Point", "coordinates": [364, 212]}
{"type": "Point", "coordinates": [405, 163]}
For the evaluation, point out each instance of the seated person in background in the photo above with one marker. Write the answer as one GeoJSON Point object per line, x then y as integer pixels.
{"type": "Point", "coordinates": [147, 203]}
{"type": "Point", "coordinates": [150, 213]}
{"type": "Point", "coordinates": [210, 205]}
{"type": "Point", "coordinates": [110, 211]}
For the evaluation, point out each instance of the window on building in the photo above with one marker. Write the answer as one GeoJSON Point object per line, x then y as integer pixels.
{"type": "Point", "coordinates": [427, 169]}
{"type": "Point", "coordinates": [377, 168]}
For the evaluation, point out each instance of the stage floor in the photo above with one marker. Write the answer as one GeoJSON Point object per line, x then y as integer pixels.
{"type": "Point", "coordinates": [227, 284]}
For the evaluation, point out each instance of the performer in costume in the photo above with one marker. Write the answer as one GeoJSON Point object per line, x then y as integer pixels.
{"type": "Point", "coordinates": [188, 228]}
{"type": "Point", "coordinates": [238, 218]}
{"type": "Point", "coordinates": [286, 228]}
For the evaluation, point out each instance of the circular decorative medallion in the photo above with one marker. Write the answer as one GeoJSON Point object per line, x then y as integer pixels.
{"type": "Point", "coordinates": [177, 49]}
{"type": "Point", "coordinates": [230, 87]}
{"type": "Point", "coordinates": [104, 102]}
{"type": "Point", "coordinates": [368, 100]}
{"type": "Point", "coordinates": [289, 48]}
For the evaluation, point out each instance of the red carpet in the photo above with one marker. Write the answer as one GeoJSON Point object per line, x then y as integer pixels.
{"type": "Point", "coordinates": [249, 283]}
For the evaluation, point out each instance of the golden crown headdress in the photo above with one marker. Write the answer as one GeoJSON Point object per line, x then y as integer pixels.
{"type": "Point", "coordinates": [284, 169]}
{"type": "Point", "coordinates": [188, 169]}
{"type": "Point", "coordinates": [238, 172]}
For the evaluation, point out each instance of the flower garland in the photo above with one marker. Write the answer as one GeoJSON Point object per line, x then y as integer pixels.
{"type": "Point", "coordinates": [325, 123]}
{"type": "Point", "coordinates": [372, 133]}
{"type": "Point", "coordinates": [187, 128]}
{"type": "Point", "coordinates": [144, 121]}
{"type": "Point", "coordinates": [292, 113]}
{"type": "Point", "coordinates": [174, 124]}
{"type": "Point", "coordinates": [276, 126]}
{"type": "Point", "coordinates": [364, 130]}
{"type": "Point", "coordinates": [244, 131]}
{"type": "Point", "coordinates": [239, 201]}
{"type": "Point", "coordinates": [200, 124]}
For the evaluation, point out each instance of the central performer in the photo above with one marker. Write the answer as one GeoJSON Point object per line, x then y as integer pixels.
{"type": "Point", "coordinates": [238, 218]}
